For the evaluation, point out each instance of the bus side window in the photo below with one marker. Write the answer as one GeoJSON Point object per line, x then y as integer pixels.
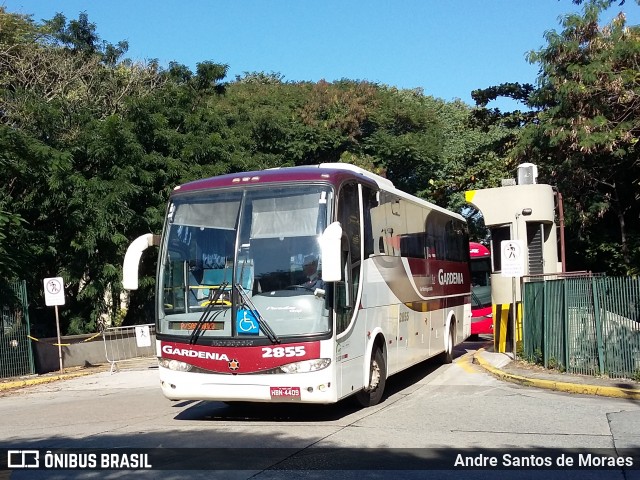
{"type": "Point", "coordinates": [369, 202]}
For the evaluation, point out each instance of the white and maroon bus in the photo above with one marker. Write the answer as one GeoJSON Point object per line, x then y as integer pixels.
{"type": "Point", "coordinates": [236, 319]}
{"type": "Point", "coordinates": [481, 306]}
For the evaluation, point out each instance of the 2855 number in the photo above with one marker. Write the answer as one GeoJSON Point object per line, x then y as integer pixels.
{"type": "Point", "coordinates": [283, 352]}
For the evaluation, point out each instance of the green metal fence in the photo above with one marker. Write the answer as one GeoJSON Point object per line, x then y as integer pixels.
{"type": "Point", "coordinates": [16, 357]}
{"type": "Point", "coordinates": [583, 324]}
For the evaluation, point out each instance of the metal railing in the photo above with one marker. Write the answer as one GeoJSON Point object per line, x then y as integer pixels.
{"type": "Point", "coordinates": [16, 356]}
{"type": "Point", "coordinates": [583, 324]}
{"type": "Point", "coordinates": [126, 344]}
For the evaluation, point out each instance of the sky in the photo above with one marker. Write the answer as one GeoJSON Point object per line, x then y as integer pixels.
{"type": "Point", "coordinates": [445, 47]}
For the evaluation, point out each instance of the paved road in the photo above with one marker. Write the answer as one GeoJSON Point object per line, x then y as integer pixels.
{"type": "Point", "coordinates": [431, 406]}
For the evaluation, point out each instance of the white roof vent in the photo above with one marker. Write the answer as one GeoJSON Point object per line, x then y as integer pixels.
{"type": "Point", "coordinates": [527, 174]}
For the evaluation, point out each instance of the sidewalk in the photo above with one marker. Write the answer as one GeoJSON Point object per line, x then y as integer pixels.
{"type": "Point", "coordinates": [73, 372]}
{"type": "Point", "coordinates": [28, 380]}
{"type": "Point", "coordinates": [502, 366]}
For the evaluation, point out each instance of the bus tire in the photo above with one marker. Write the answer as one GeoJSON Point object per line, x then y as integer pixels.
{"type": "Point", "coordinates": [377, 379]}
{"type": "Point", "coordinates": [447, 355]}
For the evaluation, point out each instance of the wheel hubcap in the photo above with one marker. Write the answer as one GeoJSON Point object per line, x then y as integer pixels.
{"type": "Point", "coordinates": [375, 375]}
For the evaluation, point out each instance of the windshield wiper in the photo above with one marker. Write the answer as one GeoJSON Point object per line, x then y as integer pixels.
{"type": "Point", "coordinates": [262, 323]}
{"type": "Point", "coordinates": [207, 316]}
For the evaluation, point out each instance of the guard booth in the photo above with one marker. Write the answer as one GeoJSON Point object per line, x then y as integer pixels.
{"type": "Point", "coordinates": [525, 211]}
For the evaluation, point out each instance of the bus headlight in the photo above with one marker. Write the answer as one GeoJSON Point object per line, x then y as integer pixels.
{"type": "Point", "coordinates": [304, 366]}
{"type": "Point", "coordinates": [175, 365]}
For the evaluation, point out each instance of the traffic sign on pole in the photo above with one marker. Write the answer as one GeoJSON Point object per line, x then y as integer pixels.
{"type": "Point", "coordinates": [53, 291]}
{"type": "Point", "coordinates": [512, 265]}
{"type": "Point", "coordinates": [54, 296]}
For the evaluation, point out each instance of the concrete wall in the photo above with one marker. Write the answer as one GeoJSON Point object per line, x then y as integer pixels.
{"type": "Point", "coordinates": [87, 350]}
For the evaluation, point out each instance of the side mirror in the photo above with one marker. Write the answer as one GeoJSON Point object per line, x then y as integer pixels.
{"type": "Point", "coordinates": [330, 244]}
{"type": "Point", "coordinates": [132, 259]}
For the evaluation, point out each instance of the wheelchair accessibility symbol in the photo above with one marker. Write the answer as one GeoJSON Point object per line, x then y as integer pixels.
{"type": "Point", "coordinates": [247, 323]}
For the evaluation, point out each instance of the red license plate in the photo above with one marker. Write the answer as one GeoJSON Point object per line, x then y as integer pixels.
{"type": "Point", "coordinates": [285, 392]}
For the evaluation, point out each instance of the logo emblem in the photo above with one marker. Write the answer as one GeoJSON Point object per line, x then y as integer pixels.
{"type": "Point", "coordinates": [23, 459]}
{"type": "Point", "coordinates": [234, 365]}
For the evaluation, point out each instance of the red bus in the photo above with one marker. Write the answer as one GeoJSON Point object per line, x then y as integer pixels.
{"type": "Point", "coordinates": [481, 307]}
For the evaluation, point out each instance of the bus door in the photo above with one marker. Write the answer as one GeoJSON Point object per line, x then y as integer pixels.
{"type": "Point", "coordinates": [349, 328]}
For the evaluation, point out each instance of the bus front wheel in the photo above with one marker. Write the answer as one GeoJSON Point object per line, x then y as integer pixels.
{"type": "Point", "coordinates": [372, 395]}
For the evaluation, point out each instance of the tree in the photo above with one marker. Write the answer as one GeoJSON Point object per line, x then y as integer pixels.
{"type": "Point", "coordinates": [72, 170]}
{"type": "Point", "coordinates": [79, 36]}
{"type": "Point", "coordinates": [91, 145]}
{"type": "Point", "coordinates": [585, 135]}
{"type": "Point", "coordinates": [8, 260]}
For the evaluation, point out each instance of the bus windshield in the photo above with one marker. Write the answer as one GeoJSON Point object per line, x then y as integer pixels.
{"type": "Point", "coordinates": [243, 263]}
{"type": "Point", "coordinates": [481, 282]}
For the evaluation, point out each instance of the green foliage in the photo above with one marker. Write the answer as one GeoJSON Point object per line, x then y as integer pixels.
{"type": "Point", "coordinates": [16, 29]}
{"type": "Point", "coordinates": [8, 261]}
{"type": "Point", "coordinates": [80, 36]}
{"type": "Point", "coordinates": [91, 145]}
{"type": "Point", "coordinates": [554, 364]}
{"type": "Point", "coordinates": [537, 357]}
{"type": "Point", "coordinates": [586, 134]}
{"type": "Point", "coordinates": [516, 91]}
{"type": "Point", "coordinates": [8, 221]}
{"type": "Point", "coordinates": [581, 129]}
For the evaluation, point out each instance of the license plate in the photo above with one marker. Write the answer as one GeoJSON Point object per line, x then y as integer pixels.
{"type": "Point", "coordinates": [285, 392]}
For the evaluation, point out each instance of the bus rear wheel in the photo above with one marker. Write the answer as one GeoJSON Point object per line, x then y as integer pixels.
{"type": "Point", "coordinates": [447, 355]}
{"type": "Point", "coordinates": [372, 395]}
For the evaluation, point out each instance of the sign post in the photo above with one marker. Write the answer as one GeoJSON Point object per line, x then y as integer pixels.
{"type": "Point", "coordinates": [512, 261]}
{"type": "Point", "coordinates": [54, 296]}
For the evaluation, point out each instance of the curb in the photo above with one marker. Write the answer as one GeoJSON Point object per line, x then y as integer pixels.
{"type": "Point", "coordinates": [12, 385]}
{"type": "Point", "coordinates": [617, 392]}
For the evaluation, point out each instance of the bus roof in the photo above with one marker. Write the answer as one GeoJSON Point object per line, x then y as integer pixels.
{"type": "Point", "coordinates": [477, 250]}
{"type": "Point", "coordinates": [334, 173]}
{"type": "Point", "coordinates": [327, 171]}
